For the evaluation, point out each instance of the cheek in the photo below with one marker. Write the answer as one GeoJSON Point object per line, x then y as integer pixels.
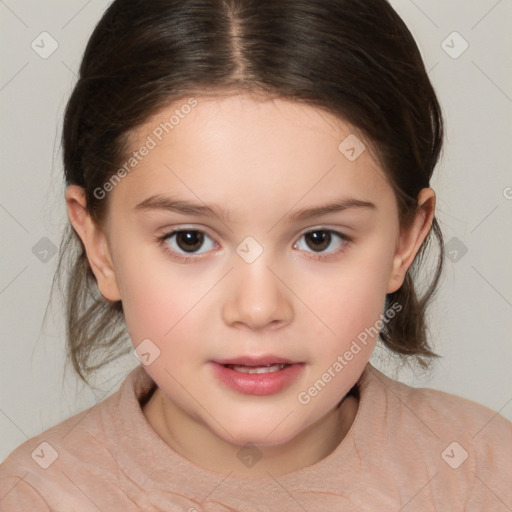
{"type": "Point", "coordinates": [348, 305]}
{"type": "Point", "coordinates": [157, 301]}
{"type": "Point", "coordinates": [166, 311]}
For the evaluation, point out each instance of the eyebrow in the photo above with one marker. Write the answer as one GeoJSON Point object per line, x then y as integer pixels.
{"type": "Point", "coordinates": [158, 202]}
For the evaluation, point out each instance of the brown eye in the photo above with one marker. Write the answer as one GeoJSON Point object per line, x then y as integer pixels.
{"type": "Point", "coordinates": [189, 241]}
{"type": "Point", "coordinates": [318, 240]}
{"type": "Point", "coordinates": [181, 242]}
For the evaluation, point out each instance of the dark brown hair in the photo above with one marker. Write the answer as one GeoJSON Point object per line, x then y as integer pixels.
{"type": "Point", "coordinates": [353, 58]}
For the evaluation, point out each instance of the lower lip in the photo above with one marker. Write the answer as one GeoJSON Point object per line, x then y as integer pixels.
{"type": "Point", "coordinates": [257, 383]}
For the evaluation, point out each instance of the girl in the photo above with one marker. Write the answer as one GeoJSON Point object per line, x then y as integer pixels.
{"type": "Point", "coordinates": [248, 189]}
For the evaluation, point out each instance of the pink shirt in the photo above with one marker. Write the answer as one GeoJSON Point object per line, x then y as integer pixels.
{"type": "Point", "coordinates": [408, 449]}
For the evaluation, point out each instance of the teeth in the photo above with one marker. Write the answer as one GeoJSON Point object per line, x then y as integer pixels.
{"type": "Point", "coordinates": [269, 368]}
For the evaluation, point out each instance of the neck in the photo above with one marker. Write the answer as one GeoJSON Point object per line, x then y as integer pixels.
{"type": "Point", "coordinates": [196, 443]}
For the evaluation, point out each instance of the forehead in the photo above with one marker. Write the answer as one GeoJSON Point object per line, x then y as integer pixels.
{"type": "Point", "coordinates": [238, 147]}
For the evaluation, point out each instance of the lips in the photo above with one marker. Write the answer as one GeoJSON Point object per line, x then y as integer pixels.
{"type": "Point", "coordinates": [261, 376]}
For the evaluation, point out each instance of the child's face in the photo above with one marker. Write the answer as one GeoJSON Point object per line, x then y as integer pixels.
{"type": "Point", "coordinates": [261, 162]}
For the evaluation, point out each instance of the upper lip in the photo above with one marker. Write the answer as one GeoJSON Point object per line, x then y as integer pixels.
{"type": "Point", "coordinates": [255, 361]}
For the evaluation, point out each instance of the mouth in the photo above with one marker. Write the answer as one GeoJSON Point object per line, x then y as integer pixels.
{"type": "Point", "coordinates": [268, 368]}
{"type": "Point", "coordinates": [257, 375]}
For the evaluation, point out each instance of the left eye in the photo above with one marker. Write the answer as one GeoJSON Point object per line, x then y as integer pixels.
{"type": "Point", "coordinates": [320, 239]}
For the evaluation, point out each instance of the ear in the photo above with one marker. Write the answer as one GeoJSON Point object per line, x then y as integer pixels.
{"type": "Point", "coordinates": [411, 238]}
{"type": "Point", "coordinates": [95, 242]}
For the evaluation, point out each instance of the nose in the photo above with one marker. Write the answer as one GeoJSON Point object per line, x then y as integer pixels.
{"type": "Point", "coordinates": [256, 297]}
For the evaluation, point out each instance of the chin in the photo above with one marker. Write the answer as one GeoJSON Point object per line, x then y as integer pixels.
{"type": "Point", "coordinates": [262, 435]}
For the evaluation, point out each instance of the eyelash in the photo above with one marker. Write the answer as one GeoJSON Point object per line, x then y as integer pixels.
{"type": "Point", "coordinates": [161, 240]}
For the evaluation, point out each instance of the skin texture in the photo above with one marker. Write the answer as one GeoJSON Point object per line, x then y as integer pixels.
{"type": "Point", "coordinates": [262, 161]}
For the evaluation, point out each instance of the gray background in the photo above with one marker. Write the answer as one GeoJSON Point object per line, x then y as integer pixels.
{"type": "Point", "coordinates": [471, 320]}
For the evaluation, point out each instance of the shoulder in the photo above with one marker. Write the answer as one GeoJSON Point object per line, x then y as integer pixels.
{"type": "Point", "coordinates": [83, 456]}
{"type": "Point", "coordinates": [444, 412]}
{"type": "Point", "coordinates": [70, 436]}
{"type": "Point", "coordinates": [465, 447]}
{"type": "Point", "coordinates": [86, 436]}
{"type": "Point", "coordinates": [16, 495]}
{"type": "Point", "coordinates": [42, 469]}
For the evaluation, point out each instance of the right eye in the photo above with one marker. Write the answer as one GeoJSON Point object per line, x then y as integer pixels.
{"type": "Point", "coordinates": [181, 243]}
